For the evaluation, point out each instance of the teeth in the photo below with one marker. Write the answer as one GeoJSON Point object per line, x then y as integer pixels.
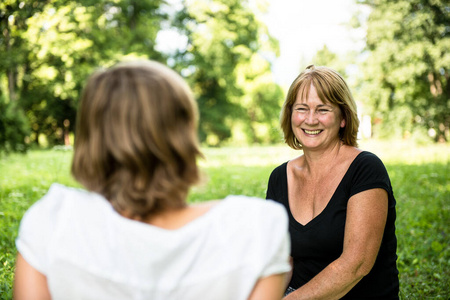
{"type": "Point", "coordinates": [312, 131]}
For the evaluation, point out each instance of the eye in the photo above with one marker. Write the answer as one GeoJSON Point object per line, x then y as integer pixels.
{"type": "Point", "coordinates": [324, 111]}
{"type": "Point", "coordinates": [302, 109]}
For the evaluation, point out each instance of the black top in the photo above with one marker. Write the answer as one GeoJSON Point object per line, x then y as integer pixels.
{"type": "Point", "coordinates": [316, 244]}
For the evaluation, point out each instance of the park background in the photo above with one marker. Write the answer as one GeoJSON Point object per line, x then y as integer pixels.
{"type": "Point", "coordinates": [239, 57]}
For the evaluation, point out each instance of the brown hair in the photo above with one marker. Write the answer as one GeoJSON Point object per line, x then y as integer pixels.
{"type": "Point", "coordinates": [331, 88]}
{"type": "Point", "coordinates": [136, 138]}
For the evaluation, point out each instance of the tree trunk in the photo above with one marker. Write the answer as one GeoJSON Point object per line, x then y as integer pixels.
{"type": "Point", "coordinates": [10, 69]}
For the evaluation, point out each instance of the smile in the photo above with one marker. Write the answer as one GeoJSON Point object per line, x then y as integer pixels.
{"type": "Point", "coordinates": [312, 132]}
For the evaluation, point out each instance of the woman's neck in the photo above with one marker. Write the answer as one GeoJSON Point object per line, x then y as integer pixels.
{"type": "Point", "coordinates": [323, 160]}
{"type": "Point", "coordinates": [326, 154]}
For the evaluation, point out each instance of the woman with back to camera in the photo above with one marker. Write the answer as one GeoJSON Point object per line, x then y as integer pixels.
{"type": "Point", "coordinates": [132, 235]}
{"type": "Point", "coordinates": [339, 198]}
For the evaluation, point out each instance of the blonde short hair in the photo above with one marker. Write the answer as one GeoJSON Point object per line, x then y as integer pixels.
{"type": "Point", "coordinates": [136, 138]}
{"type": "Point", "coordinates": [331, 88]}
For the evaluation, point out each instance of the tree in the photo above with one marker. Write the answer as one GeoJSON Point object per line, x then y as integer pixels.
{"type": "Point", "coordinates": [14, 128]}
{"type": "Point", "coordinates": [262, 100]}
{"type": "Point", "coordinates": [50, 47]}
{"type": "Point", "coordinates": [59, 43]}
{"type": "Point", "coordinates": [221, 34]}
{"type": "Point", "coordinates": [14, 15]}
{"type": "Point", "coordinates": [73, 39]}
{"type": "Point", "coordinates": [407, 72]}
{"type": "Point", "coordinates": [14, 50]}
{"type": "Point", "coordinates": [324, 57]}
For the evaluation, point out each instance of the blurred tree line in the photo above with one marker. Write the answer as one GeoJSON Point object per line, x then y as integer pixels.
{"type": "Point", "coordinates": [49, 47]}
{"type": "Point", "coordinates": [406, 74]}
{"type": "Point", "coordinates": [403, 77]}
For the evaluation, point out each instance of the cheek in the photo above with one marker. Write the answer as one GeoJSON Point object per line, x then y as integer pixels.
{"type": "Point", "coordinates": [296, 119]}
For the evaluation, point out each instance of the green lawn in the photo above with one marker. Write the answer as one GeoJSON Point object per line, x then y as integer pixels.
{"type": "Point", "coordinates": [420, 176]}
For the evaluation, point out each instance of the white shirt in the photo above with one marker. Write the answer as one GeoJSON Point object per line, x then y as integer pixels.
{"type": "Point", "coordinates": [89, 251]}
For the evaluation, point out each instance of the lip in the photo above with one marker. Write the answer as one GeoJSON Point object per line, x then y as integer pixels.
{"type": "Point", "coordinates": [312, 132]}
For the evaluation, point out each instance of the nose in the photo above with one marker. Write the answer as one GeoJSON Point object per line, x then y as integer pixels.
{"type": "Point", "coordinates": [311, 117]}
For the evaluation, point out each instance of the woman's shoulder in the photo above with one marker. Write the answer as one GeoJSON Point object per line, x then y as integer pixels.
{"type": "Point", "coordinates": [255, 208]}
{"type": "Point", "coordinates": [58, 189]}
{"type": "Point", "coordinates": [249, 201]}
{"type": "Point", "coordinates": [246, 219]}
{"type": "Point", "coordinates": [279, 171]}
{"type": "Point", "coordinates": [281, 167]}
{"type": "Point", "coordinates": [41, 222]}
{"type": "Point", "coordinates": [61, 199]}
{"type": "Point", "coordinates": [366, 170]}
{"type": "Point", "coordinates": [366, 159]}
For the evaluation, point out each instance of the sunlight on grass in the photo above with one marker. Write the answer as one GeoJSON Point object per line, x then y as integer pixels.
{"type": "Point", "coordinates": [420, 178]}
{"type": "Point", "coordinates": [407, 152]}
{"type": "Point", "coordinates": [390, 152]}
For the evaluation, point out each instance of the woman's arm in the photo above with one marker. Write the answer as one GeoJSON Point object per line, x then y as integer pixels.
{"type": "Point", "coordinates": [29, 283]}
{"type": "Point", "coordinates": [269, 288]}
{"type": "Point", "coordinates": [289, 274]}
{"type": "Point", "coordinates": [364, 228]}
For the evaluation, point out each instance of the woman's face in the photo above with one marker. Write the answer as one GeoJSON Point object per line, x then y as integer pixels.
{"type": "Point", "coordinates": [316, 124]}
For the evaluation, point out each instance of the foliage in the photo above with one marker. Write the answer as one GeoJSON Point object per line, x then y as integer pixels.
{"type": "Point", "coordinates": [52, 46]}
{"type": "Point", "coordinates": [14, 128]}
{"type": "Point", "coordinates": [420, 177]}
{"type": "Point", "coordinates": [406, 75]}
{"type": "Point", "coordinates": [48, 48]}
{"type": "Point", "coordinates": [223, 39]}
{"type": "Point", "coordinates": [324, 57]}
{"type": "Point", "coordinates": [261, 98]}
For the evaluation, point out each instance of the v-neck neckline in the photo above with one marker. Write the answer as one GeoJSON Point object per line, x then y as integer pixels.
{"type": "Point", "coordinates": [330, 203]}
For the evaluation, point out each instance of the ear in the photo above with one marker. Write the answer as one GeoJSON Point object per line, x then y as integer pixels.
{"type": "Point", "coordinates": [342, 123]}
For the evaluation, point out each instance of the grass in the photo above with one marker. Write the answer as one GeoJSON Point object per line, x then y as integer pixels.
{"type": "Point", "coordinates": [420, 176]}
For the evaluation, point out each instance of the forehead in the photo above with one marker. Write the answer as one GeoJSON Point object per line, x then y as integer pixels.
{"type": "Point", "coordinates": [309, 95]}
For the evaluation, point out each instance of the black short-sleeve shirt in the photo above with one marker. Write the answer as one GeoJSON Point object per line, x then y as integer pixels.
{"type": "Point", "coordinates": [316, 244]}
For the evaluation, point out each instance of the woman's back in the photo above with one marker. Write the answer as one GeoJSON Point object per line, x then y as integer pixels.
{"type": "Point", "coordinates": [85, 243]}
{"type": "Point", "coordinates": [136, 151]}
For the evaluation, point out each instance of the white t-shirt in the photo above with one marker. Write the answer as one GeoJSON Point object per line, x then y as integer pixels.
{"type": "Point", "coordinates": [89, 251]}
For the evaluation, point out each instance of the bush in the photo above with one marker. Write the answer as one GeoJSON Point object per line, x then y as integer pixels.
{"type": "Point", "coordinates": [14, 128]}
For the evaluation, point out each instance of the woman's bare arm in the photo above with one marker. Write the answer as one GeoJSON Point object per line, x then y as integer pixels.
{"type": "Point", "coordinates": [29, 284]}
{"type": "Point", "coordinates": [269, 288]}
{"type": "Point", "coordinates": [364, 228]}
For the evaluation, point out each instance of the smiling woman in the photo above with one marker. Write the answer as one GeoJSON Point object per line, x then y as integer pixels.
{"type": "Point", "coordinates": [339, 198]}
{"type": "Point", "coordinates": [328, 93]}
{"type": "Point", "coordinates": [315, 122]}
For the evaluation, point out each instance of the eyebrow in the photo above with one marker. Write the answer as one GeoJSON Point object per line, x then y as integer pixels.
{"type": "Point", "coordinates": [320, 105]}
